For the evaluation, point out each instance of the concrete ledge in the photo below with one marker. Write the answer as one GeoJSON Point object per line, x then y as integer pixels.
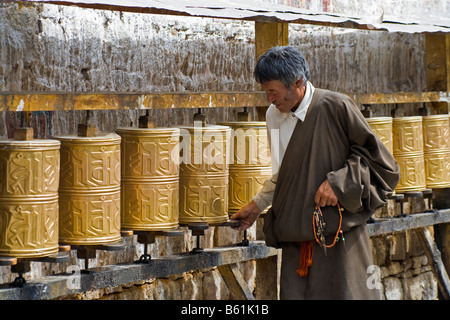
{"type": "Point", "coordinates": [411, 221]}
{"type": "Point", "coordinates": [56, 286]}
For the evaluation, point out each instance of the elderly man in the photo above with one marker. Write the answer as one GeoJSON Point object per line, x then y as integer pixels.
{"type": "Point", "coordinates": [330, 173]}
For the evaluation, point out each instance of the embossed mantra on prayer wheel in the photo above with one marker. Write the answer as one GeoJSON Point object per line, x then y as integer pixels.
{"type": "Point", "coordinates": [150, 178]}
{"type": "Point", "coordinates": [204, 174]}
{"type": "Point", "coordinates": [250, 163]}
{"type": "Point", "coordinates": [89, 193]}
{"type": "Point", "coordinates": [382, 126]}
{"type": "Point", "coordinates": [408, 151]}
{"type": "Point", "coordinates": [29, 176]}
{"type": "Point", "coordinates": [436, 150]}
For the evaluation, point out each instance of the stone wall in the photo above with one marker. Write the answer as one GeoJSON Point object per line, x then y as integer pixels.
{"type": "Point", "coordinates": [206, 284]}
{"type": "Point", "coordinates": [404, 269]}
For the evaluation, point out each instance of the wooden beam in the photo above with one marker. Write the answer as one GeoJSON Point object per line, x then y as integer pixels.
{"type": "Point", "coordinates": [398, 97]}
{"type": "Point", "coordinates": [437, 52]}
{"type": "Point", "coordinates": [43, 101]}
{"type": "Point", "coordinates": [442, 238]}
{"type": "Point", "coordinates": [268, 35]}
{"type": "Point", "coordinates": [434, 256]}
{"type": "Point", "coordinates": [235, 282]}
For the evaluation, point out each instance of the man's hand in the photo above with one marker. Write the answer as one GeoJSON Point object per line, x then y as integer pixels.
{"type": "Point", "coordinates": [247, 215]}
{"type": "Point", "coordinates": [325, 195]}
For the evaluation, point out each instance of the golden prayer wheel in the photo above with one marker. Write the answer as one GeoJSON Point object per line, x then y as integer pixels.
{"type": "Point", "coordinates": [408, 151]}
{"type": "Point", "coordinates": [204, 174]}
{"type": "Point", "coordinates": [382, 126]}
{"type": "Point", "coordinates": [436, 150]}
{"type": "Point", "coordinates": [250, 163]}
{"type": "Point", "coordinates": [89, 193]}
{"type": "Point", "coordinates": [436, 132]}
{"type": "Point", "coordinates": [150, 178]}
{"type": "Point", "coordinates": [29, 175]}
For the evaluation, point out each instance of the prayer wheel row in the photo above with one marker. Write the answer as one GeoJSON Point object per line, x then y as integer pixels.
{"type": "Point", "coordinates": [421, 147]}
{"type": "Point", "coordinates": [210, 180]}
{"type": "Point", "coordinates": [83, 190]}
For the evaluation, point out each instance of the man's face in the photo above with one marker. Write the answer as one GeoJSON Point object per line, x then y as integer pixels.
{"type": "Point", "coordinates": [284, 98]}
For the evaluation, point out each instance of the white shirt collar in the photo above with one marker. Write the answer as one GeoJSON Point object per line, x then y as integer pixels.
{"type": "Point", "coordinates": [300, 112]}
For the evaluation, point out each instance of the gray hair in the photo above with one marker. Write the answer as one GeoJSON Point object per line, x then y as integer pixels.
{"type": "Point", "coordinates": [285, 64]}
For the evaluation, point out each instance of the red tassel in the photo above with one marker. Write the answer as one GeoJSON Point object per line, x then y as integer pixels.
{"type": "Point", "coordinates": [306, 257]}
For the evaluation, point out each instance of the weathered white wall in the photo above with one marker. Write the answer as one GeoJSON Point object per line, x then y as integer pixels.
{"type": "Point", "coordinates": [362, 61]}
{"type": "Point", "coordinates": [57, 48]}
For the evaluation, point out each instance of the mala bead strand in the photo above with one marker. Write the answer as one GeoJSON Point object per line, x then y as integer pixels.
{"type": "Point", "coordinates": [321, 236]}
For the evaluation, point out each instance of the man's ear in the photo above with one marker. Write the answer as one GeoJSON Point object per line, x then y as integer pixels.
{"type": "Point", "coordinates": [299, 83]}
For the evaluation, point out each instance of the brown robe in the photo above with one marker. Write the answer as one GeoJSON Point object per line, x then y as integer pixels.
{"type": "Point", "coordinates": [334, 142]}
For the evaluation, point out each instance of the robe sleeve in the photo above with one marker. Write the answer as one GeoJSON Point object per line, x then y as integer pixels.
{"type": "Point", "coordinates": [370, 173]}
{"type": "Point", "coordinates": [264, 197]}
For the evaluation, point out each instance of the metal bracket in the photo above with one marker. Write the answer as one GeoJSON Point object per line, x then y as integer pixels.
{"type": "Point", "coordinates": [148, 237]}
{"type": "Point", "coordinates": [87, 252]}
{"type": "Point", "coordinates": [23, 265]}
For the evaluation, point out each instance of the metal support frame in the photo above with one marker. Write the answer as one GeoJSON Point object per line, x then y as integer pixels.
{"type": "Point", "coordinates": [149, 237]}
{"type": "Point", "coordinates": [23, 265]}
{"type": "Point", "coordinates": [198, 229]}
{"type": "Point", "coordinates": [87, 252]}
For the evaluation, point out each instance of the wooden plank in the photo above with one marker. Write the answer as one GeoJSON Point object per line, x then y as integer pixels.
{"type": "Point", "coordinates": [437, 47]}
{"type": "Point", "coordinates": [447, 60]}
{"type": "Point", "coordinates": [268, 35]}
{"type": "Point", "coordinates": [46, 101]}
{"type": "Point", "coordinates": [434, 256]}
{"type": "Point", "coordinates": [442, 238]}
{"type": "Point", "coordinates": [52, 101]}
{"type": "Point", "coordinates": [398, 97]}
{"type": "Point", "coordinates": [436, 61]}
{"type": "Point", "coordinates": [235, 282]}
